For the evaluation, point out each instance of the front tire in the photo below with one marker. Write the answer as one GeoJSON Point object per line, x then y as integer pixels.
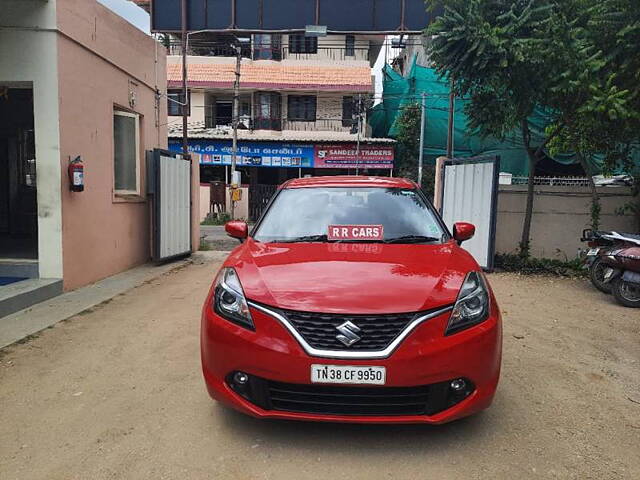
{"type": "Point", "coordinates": [596, 274]}
{"type": "Point", "coordinates": [627, 293]}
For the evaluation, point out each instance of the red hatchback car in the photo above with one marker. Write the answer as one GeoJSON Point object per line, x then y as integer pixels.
{"type": "Point", "coordinates": [350, 301]}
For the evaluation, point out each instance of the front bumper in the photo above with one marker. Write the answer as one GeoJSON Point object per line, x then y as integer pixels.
{"type": "Point", "coordinates": [425, 358]}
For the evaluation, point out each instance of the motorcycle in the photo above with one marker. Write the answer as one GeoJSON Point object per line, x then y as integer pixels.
{"type": "Point", "coordinates": [600, 244]}
{"type": "Point", "coordinates": [622, 272]}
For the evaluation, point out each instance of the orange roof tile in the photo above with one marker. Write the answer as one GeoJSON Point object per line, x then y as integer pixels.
{"type": "Point", "coordinates": [300, 77]}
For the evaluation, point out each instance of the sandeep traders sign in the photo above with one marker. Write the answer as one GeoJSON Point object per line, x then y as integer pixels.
{"type": "Point", "coordinates": [350, 156]}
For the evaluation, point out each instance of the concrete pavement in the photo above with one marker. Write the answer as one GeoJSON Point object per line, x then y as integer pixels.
{"type": "Point", "coordinates": [216, 238]}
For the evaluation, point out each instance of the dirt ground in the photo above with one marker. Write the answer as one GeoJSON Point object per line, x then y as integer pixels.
{"type": "Point", "coordinates": [117, 393]}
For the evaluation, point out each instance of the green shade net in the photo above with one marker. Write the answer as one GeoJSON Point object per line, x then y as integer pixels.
{"type": "Point", "coordinates": [399, 91]}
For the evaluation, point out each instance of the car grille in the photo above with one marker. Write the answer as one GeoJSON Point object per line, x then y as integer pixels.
{"type": "Point", "coordinates": [376, 331]}
{"type": "Point", "coordinates": [339, 400]}
{"type": "Point", "coordinates": [360, 400]}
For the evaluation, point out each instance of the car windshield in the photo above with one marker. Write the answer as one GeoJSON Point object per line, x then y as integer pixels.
{"type": "Point", "coordinates": [305, 214]}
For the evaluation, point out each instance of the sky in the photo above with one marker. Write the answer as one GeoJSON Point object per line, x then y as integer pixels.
{"type": "Point", "coordinates": [129, 11]}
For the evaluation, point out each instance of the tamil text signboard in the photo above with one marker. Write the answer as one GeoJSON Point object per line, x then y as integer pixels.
{"type": "Point", "coordinates": [288, 155]}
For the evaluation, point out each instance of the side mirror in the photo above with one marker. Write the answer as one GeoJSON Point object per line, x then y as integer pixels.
{"type": "Point", "coordinates": [237, 229]}
{"type": "Point", "coordinates": [463, 231]}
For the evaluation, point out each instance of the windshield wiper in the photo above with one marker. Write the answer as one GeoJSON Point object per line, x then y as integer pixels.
{"type": "Point", "coordinates": [411, 239]}
{"type": "Point", "coordinates": [305, 238]}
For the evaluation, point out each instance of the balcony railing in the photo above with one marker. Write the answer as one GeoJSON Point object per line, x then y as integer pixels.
{"type": "Point", "coordinates": [321, 124]}
{"type": "Point", "coordinates": [278, 124]}
{"type": "Point", "coordinates": [268, 52]}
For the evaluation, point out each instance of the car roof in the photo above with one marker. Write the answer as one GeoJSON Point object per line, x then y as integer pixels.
{"type": "Point", "coordinates": [349, 181]}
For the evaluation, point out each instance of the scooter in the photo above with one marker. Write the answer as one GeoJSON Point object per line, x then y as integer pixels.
{"type": "Point", "coordinates": [622, 272]}
{"type": "Point", "coordinates": [601, 243]}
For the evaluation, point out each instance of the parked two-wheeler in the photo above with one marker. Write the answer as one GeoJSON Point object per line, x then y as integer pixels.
{"type": "Point", "coordinates": [622, 272]}
{"type": "Point", "coordinates": [600, 244]}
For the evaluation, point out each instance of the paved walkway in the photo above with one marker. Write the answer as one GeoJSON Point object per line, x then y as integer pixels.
{"type": "Point", "coordinates": [26, 322]}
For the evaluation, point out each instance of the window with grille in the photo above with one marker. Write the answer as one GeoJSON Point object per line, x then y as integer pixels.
{"type": "Point", "coordinates": [267, 111]}
{"type": "Point", "coordinates": [348, 111]}
{"type": "Point", "coordinates": [302, 44]}
{"type": "Point", "coordinates": [126, 152]}
{"type": "Point", "coordinates": [267, 47]}
{"type": "Point", "coordinates": [175, 103]}
{"type": "Point", "coordinates": [301, 108]}
{"type": "Point", "coordinates": [350, 46]}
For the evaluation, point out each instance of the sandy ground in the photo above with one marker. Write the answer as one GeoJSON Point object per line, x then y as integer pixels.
{"type": "Point", "coordinates": [117, 393]}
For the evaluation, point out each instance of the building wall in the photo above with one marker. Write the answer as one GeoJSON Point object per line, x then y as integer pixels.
{"type": "Point", "coordinates": [197, 111]}
{"type": "Point", "coordinates": [28, 53]}
{"type": "Point", "coordinates": [104, 63]}
{"type": "Point", "coordinates": [560, 215]}
{"type": "Point", "coordinates": [416, 49]}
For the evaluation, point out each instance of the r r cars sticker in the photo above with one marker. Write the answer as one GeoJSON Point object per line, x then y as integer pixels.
{"type": "Point", "coordinates": [355, 232]}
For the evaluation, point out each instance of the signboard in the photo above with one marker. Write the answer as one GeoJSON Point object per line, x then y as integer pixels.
{"type": "Point", "coordinates": [254, 154]}
{"type": "Point", "coordinates": [355, 232]}
{"type": "Point", "coordinates": [347, 155]}
{"type": "Point", "coordinates": [291, 155]}
{"type": "Point", "coordinates": [355, 16]}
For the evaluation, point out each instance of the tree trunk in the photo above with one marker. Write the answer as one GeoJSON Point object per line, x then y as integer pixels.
{"type": "Point", "coordinates": [526, 227]}
{"type": "Point", "coordinates": [595, 198]}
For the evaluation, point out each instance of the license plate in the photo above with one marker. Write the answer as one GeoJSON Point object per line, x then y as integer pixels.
{"type": "Point", "coordinates": [593, 252]}
{"type": "Point", "coordinates": [348, 374]}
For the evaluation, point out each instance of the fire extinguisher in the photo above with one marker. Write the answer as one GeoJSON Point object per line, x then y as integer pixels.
{"type": "Point", "coordinates": [76, 175]}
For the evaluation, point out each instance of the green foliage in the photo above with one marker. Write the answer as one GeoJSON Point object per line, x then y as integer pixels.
{"type": "Point", "coordinates": [204, 246]}
{"type": "Point", "coordinates": [408, 148]}
{"type": "Point", "coordinates": [498, 52]}
{"type": "Point", "coordinates": [597, 93]}
{"type": "Point", "coordinates": [216, 219]}
{"type": "Point", "coordinates": [545, 266]}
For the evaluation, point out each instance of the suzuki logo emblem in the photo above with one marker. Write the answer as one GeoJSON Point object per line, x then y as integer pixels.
{"type": "Point", "coordinates": [348, 333]}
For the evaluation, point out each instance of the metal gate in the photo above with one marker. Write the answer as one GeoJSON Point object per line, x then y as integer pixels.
{"type": "Point", "coordinates": [259, 196]}
{"type": "Point", "coordinates": [470, 194]}
{"type": "Point", "coordinates": [169, 183]}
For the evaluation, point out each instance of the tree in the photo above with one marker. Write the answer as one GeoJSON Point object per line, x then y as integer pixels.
{"type": "Point", "coordinates": [500, 54]}
{"type": "Point", "coordinates": [597, 91]}
{"type": "Point", "coordinates": [408, 147]}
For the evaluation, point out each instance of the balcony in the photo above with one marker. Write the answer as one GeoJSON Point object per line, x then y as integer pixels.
{"type": "Point", "coordinates": [279, 123]}
{"type": "Point", "coordinates": [277, 53]}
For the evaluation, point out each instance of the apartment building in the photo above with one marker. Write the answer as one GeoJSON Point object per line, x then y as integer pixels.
{"type": "Point", "coordinates": [303, 105]}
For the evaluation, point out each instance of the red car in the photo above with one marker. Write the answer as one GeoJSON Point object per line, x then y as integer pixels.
{"type": "Point", "coordinates": [350, 301]}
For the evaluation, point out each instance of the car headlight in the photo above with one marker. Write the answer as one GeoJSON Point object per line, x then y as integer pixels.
{"type": "Point", "coordinates": [472, 305]}
{"type": "Point", "coordinates": [229, 301]}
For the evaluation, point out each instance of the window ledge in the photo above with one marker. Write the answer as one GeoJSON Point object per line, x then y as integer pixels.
{"type": "Point", "coordinates": [128, 197]}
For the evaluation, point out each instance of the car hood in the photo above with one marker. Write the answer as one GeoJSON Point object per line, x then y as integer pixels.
{"type": "Point", "coordinates": [351, 277]}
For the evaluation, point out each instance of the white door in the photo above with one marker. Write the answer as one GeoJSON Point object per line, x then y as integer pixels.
{"type": "Point", "coordinates": [470, 195]}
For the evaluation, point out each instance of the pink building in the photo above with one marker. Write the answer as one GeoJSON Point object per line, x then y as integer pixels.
{"type": "Point", "coordinates": [76, 80]}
